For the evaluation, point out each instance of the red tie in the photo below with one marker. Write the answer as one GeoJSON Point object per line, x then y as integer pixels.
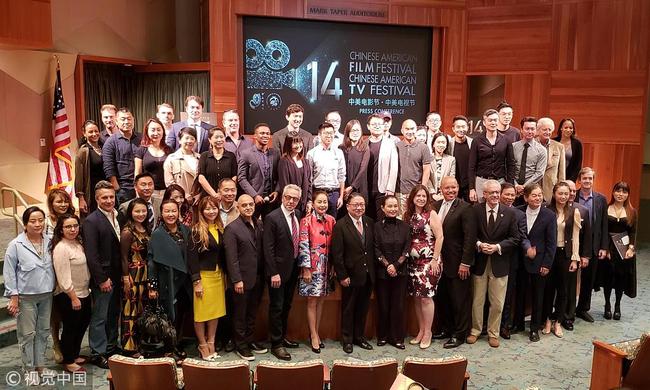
{"type": "Point", "coordinates": [295, 237]}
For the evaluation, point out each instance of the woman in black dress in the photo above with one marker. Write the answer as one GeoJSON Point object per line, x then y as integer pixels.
{"type": "Point", "coordinates": [356, 154]}
{"type": "Point", "coordinates": [566, 135]}
{"type": "Point", "coordinates": [618, 270]}
{"type": "Point", "coordinates": [293, 168]}
{"type": "Point", "coordinates": [152, 155]}
{"type": "Point", "coordinates": [89, 168]}
{"type": "Point", "coordinates": [392, 244]}
{"type": "Point", "coordinates": [216, 164]}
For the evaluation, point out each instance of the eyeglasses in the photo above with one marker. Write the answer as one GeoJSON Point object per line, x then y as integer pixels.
{"type": "Point", "coordinates": [71, 227]}
{"type": "Point", "coordinates": [355, 205]}
{"type": "Point", "coordinates": [294, 198]}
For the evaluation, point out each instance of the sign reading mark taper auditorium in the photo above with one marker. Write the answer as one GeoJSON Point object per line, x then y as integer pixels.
{"type": "Point", "coordinates": [340, 10]}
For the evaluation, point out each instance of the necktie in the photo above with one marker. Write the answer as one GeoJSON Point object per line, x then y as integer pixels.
{"type": "Point", "coordinates": [491, 221]}
{"type": "Point", "coordinates": [294, 235]}
{"type": "Point", "coordinates": [359, 226]}
{"type": "Point", "coordinates": [198, 128]}
{"type": "Point", "coordinates": [150, 216]}
{"type": "Point", "coordinates": [444, 209]}
{"type": "Point", "coordinates": [522, 167]}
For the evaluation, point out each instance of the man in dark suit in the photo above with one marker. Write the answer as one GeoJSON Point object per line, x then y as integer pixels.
{"type": "Point", "coordinates": [352, 255]}
{"type": "Point", "coordinates": [245, 262]}
{"type": "Point", "coordinates": [294, 116]}
{"type": "Point", "coordinates": [585, 255]}
{"type": "Point", "coordinates": [102, 248]}
{"type": "Point", "coordinates": [194, 110]}
{"type": "Point", "coordinates": [596, 205]}
{"type": "Point", "coordinates": [257, 171]}
{"type": "Point", "coordinates": [497, 237]}
{"type": "Point", "coordinates": [458, 248]}
{"type": "Point", "coordinates": [539, 248]}
{"type": "Point", "coordinates": [143, 189]}
{"type": "Point", "coordinates": [281, 248]}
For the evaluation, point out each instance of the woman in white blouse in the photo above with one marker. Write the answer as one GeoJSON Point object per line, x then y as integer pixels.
{"type": "Point", "coordinates": [442, 164]}
{"type": "Point", "coordinates": [181, 167]}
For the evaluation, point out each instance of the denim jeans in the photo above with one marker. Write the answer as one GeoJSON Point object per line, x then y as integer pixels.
{"type": "Point", "coordinates": [33, 328]}
{"type": "Point", "coordinates": [102, 332]}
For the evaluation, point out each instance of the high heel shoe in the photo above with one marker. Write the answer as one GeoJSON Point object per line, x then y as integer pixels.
{"type": "Point", "coordinates": [426, 342]}
{"type": "Point", "coordinates": [547, 327]}
{"type": "Point", "coordinates": [608, 312]}
{"type": "Point", "coordinates": [213, 353]}
{"type": "Point", "coordinates": [204, 351]}
{"type": "Point", "coordinates": [557, 329]}
{"type": "Point", "coordinates": [617, 312]}
{"type": "Point", "coordinates": [415, 340]}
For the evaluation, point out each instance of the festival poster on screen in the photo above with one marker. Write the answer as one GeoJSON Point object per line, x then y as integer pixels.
{"type": "Point", "coordinates": [357, 69]}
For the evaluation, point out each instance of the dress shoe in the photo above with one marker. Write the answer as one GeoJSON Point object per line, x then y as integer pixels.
{"type": "Point", "coordinates": [440, 336]}
{"type": "Point", "coordinates": [363, 344]}
{"type": "Point", "coordinates": [534, 336]}
{"type": "Point", "coordinates": [617, 315]}
{"type": "Point", "coordinates": [315, 350]}
{"type": "Point", "coordinates": [471, 339]}
{"type": "Point", "coordinates": [347, 348]}
{"type": "Point", "coordinates": [290, 343]}
{"type": "Point", "coordinates": [585, 316]}
{"type": "Point", "coordinates": [567, 324]}
{"type": "Point", "coordinates": [517, 328]}
{"type": "Point", "coordinates": [230, 346]}
{"type": "Point", "coordinates": [398, 345]}
{"type": "Point", "coordinates": [381, 343]}
{"type": "Point", "coordinates": [453, 343]}
{"type": "Point", "coordinates": [281, 353]}
{"type": "Point", "coordinates": [99, 361]}
{"type": "Point", "coordinates": [607, 314]}
{"type": "Point", "coordinates": [494, 342]}
{"type": "Point", "coordinates": [505, 333]}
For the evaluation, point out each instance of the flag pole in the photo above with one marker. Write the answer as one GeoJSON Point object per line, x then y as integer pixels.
{"type": "Point", "coordinates": [58, 64]}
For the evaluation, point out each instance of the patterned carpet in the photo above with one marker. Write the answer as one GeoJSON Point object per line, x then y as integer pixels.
{"type": "Point", "coordinates": [552, 363]}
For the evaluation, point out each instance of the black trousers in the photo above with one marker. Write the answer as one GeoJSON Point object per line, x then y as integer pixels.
{"type": "Point", "coordinates": [555, 292]}
{"type": "Point", "coordinates": [454, 299]}
{"type": "Point", "coordinates": [75, 323]}
{"type": "Point", "coordinates": [391, 304]}
{"type": "Point", "coordinates": [280, 300]}
{"type": "Point", "coordinates": [355, 301]}
{"type": "Point", "coordinates": [225, 327]}
{"type": "Point", "coordinates": [515, 265]}
{"type": "Point", "coordinates": [536, 282]}
{"type": "Point", "coordinates": [571, 290]}
{"type": "Point", "coordinates": [587, 278]}
{"type": "Point", "coordinates": [244, 313]}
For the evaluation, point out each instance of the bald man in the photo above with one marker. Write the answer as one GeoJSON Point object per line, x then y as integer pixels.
{"type": "Point", "coordinates": [245, 262]}
{"type": "Point", "coordinates": [414, 162]}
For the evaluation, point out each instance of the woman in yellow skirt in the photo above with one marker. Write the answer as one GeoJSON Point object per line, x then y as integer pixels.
{"type": "Point", "coordinates": [206, 263]}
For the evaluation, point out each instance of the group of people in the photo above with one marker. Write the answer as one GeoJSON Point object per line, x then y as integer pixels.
{"type": "Point", "coordinates": [213, 217]}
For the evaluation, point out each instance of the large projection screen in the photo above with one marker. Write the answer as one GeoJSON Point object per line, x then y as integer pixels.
{"type": "Point", "coordinates": [357, 69]}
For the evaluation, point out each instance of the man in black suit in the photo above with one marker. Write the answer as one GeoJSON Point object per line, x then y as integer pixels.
{"type": "Point", "coordinates": [596, 205]}
{"type": "Point", "coordinates": [353, 259]}
{"type": "Point", "coordinates": [281, 248]}
{"type": "Point", "coordinates": [257, 171]}
{"type": "Point", "coordinates": [454, 290]}
{"type": "Point", "coordinates": [245, 262]}
{"type": "Point", "coordinates": [585, 255]}
{"type": "Point", "coordinates": [101, 233]}
{"type": "Point", "coordinates": [294, 115]}
{"type": "Point", "coordinates": [143, 185]}
{"type": "Point", "coordinates": [539, 247]}
{"type": "Point", "coordinates": [497, 238]}
{"type": "Point", "coordinates": [194, 110]}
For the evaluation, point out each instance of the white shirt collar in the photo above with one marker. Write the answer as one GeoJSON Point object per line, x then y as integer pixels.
{"type": "Point", "coordinates": [487, 209]}
{"type": "Point", "coordinates": [532, 211]}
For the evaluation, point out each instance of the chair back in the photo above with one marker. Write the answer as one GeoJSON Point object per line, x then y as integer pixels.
{"type": "Point", "coordinates": [138, 374]}
{"type": "Point", "coordinates": [306, 375]}
{"type": "Point", "coordinates": [637, 376]}
{"type": "Point", "coordinates": [227, 375]}
{"type": "Point", "coordinates": [441, 374]}
{"type": "Point", "coordinates": [354, 375]}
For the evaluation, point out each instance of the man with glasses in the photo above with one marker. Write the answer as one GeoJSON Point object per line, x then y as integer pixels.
{"type": "Point", "coordinates": [505, 118]}
{"type": "Point", "coordinates": [328, 168]}
{"type": "Point", "coordinates": [281, 248]}
{"type": "Point", "coordinates": [334, 119]}
{"type": "Point", "coordinates": [433, 123]}
{"type": "Point", "coordinates": [352, 255]}
{"type": "Point", "coordinates": [490, 157]}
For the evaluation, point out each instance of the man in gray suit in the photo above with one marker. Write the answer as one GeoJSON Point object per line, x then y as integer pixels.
{"type": "Point", "coordinates": [194, 110]}
{"type": "Point", "coordinates": [245, 261]}
{"type": "Point", "coordinates": [143, 185]}
{"type": "Point", "coordinates": [257, 171]}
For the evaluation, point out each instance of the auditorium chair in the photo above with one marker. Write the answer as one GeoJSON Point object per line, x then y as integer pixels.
{"type": "Point", "coordinates": [226, 375]}
{"type": "Point", "coordinates": [127, 373]}
{"type": "Point", "coordinates": [353, 374]}
{"type": "Point", "coordinates": [308, 375]}
{"type": "Point", "coordinates": [448, 373]}
{"type": "Point", "coordinates": [621, 365]}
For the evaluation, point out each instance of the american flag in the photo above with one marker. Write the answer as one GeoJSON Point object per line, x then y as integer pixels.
{"type": "Point", "coordinates": [59, 172]}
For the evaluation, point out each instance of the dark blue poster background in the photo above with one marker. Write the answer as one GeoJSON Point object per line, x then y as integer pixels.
{"type": "Point", "coordinates": [357, 69]}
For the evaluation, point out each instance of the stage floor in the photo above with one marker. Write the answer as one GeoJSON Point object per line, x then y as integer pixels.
{"type": "Point", "coordinates": [552, 363]}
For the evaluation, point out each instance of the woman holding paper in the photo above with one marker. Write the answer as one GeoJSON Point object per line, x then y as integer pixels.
{"type": "Point", "coordinates": [618, 270]}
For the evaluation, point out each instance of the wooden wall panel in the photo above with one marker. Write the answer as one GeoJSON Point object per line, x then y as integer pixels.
{"type": "Point", "coordinates": [601, 35]}
{"type": "Point", "coordinates": [509, 38]}
{"type": "Point", "coordinates": [26, 24]}
{"type": "Point", "coordinates": [614, 163]}
{"type": "Point", "coordinates": [602, 103]}
{"type": "Point", "coordinates": [454, 102]}
{"type": "Point", "coordinates": [528, 94]}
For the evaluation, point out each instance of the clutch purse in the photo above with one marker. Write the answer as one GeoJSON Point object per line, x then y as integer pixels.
{"type": "Point", "coordinates": [621, 242]}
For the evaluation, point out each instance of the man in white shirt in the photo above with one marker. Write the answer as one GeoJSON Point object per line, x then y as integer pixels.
{"type": "Point", "coordinates": [333, 118]}
{"type": "Point", "coordinates": [328, 168]}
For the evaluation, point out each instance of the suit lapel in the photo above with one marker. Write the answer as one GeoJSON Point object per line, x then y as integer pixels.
{"type": "Point", "coordinates": [499, 217]}
{"type": "Point", "coordinates": [353, 230]}
{"type": "Point", "coordinates": [107, 223]}
{"type": "Point", "coordinates": [451, 210]}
